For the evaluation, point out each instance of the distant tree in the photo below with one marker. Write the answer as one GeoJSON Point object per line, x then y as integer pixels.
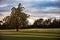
{"type": "Point", "coordinates": [0, 24]}
{"type": "Point", "coordinates": [38, 23]}
{"type": "Point", "coordinates": [6, 19]}
{"type": "Point", "coordinates": [47, 22]}
{"type": "Point", "coordinates": [6, 22]}
{"type": "Point", "coordinates": [56, 23]}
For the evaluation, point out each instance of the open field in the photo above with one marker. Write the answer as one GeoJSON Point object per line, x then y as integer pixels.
{"type": "Point", "coordinates": [35, 30]}
{"type": "Point", "coordinates": [26, 38]}
{"type": "Point", "coordinates": [32, 34]}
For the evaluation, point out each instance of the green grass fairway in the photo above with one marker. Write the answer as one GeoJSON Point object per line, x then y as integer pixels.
{"type": "Point", "coordinates": [30, 34]}
{"type": "Point", "coordinates": [25, 38]}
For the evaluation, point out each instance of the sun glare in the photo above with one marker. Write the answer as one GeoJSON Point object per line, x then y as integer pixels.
{"type": "Point", "coordinates": [31, 21]}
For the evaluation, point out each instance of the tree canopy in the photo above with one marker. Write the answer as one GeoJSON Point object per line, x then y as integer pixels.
{"type": "Point", "coordinates": [17, 17]}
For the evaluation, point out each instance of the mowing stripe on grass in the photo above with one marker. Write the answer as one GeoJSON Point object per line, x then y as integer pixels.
{"type": "Point", "coordinates": [41, 36]}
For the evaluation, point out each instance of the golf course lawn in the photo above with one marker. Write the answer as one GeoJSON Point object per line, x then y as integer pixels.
{"type": "Point", "coordinates": [25, 38]}
{"type": "Point", "coordinates": [30, 34]}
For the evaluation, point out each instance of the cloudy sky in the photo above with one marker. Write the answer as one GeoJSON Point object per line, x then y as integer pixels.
{"type": "Point", "coordinates": [35, 8]}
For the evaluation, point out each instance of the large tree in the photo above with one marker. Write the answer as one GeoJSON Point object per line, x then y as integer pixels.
{"type": "Point", "coordinates": [17, 17]}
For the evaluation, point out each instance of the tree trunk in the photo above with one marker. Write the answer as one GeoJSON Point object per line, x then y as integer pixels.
{"type": "Point", "coordinates": [17, 28]}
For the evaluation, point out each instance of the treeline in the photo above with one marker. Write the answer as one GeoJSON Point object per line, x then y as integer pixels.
{"type": "Point", "coordinates": [39, 23]}
{"type": "Point", "coordinates": [48, 23]}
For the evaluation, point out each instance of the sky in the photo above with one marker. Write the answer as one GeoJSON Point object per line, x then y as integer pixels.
{"type": "Point", "coordinates": [35, 8]}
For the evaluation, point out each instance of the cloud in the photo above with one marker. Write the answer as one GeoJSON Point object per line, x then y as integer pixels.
{"type": "Point", "coordinates": [3, 5]}
{"type": "Point", "coordinates": [48, 12]}
{"type": "Point", "coordinates": [45, 4]}
{"type": "Point", "coordinates": [45, 10]}
{"type": "Point", "coordinates": [50, 15]}
{"type": "Point", "coordinates": [35, 8]}
{"type": "Point", "coordinates": [0, 14]}
{"type": "Point", "coordinates": [51, 10]}
{"type": "Point", "coordinates": [5, 13]}
{"type": "Point", "coordinates": [37, 0]}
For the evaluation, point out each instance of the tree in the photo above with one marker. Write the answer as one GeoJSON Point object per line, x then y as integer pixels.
{"type": "Point", "coordinates": [56, 23]}
{"type": "Point", "coordinates": [6, 22]}
{"type": "Point", "coordinates": [17, 17]}
{"type": "Point", "coordinates": [47, 22]}
{"type": "Point", "coordinates": [0, 24]}
{"type": "Point", "coordinates": [38, 23]}
{"type": "Point", "coordinates": [6, 19]}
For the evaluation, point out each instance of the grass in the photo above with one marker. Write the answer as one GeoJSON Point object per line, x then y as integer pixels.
{"type": "Point", "coordinates": [25, 38]}
{"type": "Point", "coordinates": [36, 30]}
{"type": "Point", "coordinates": [30, 34]}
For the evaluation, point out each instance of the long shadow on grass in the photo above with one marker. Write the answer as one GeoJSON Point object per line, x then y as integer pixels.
{"type": "Point", "coordinates": [25, 38]}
